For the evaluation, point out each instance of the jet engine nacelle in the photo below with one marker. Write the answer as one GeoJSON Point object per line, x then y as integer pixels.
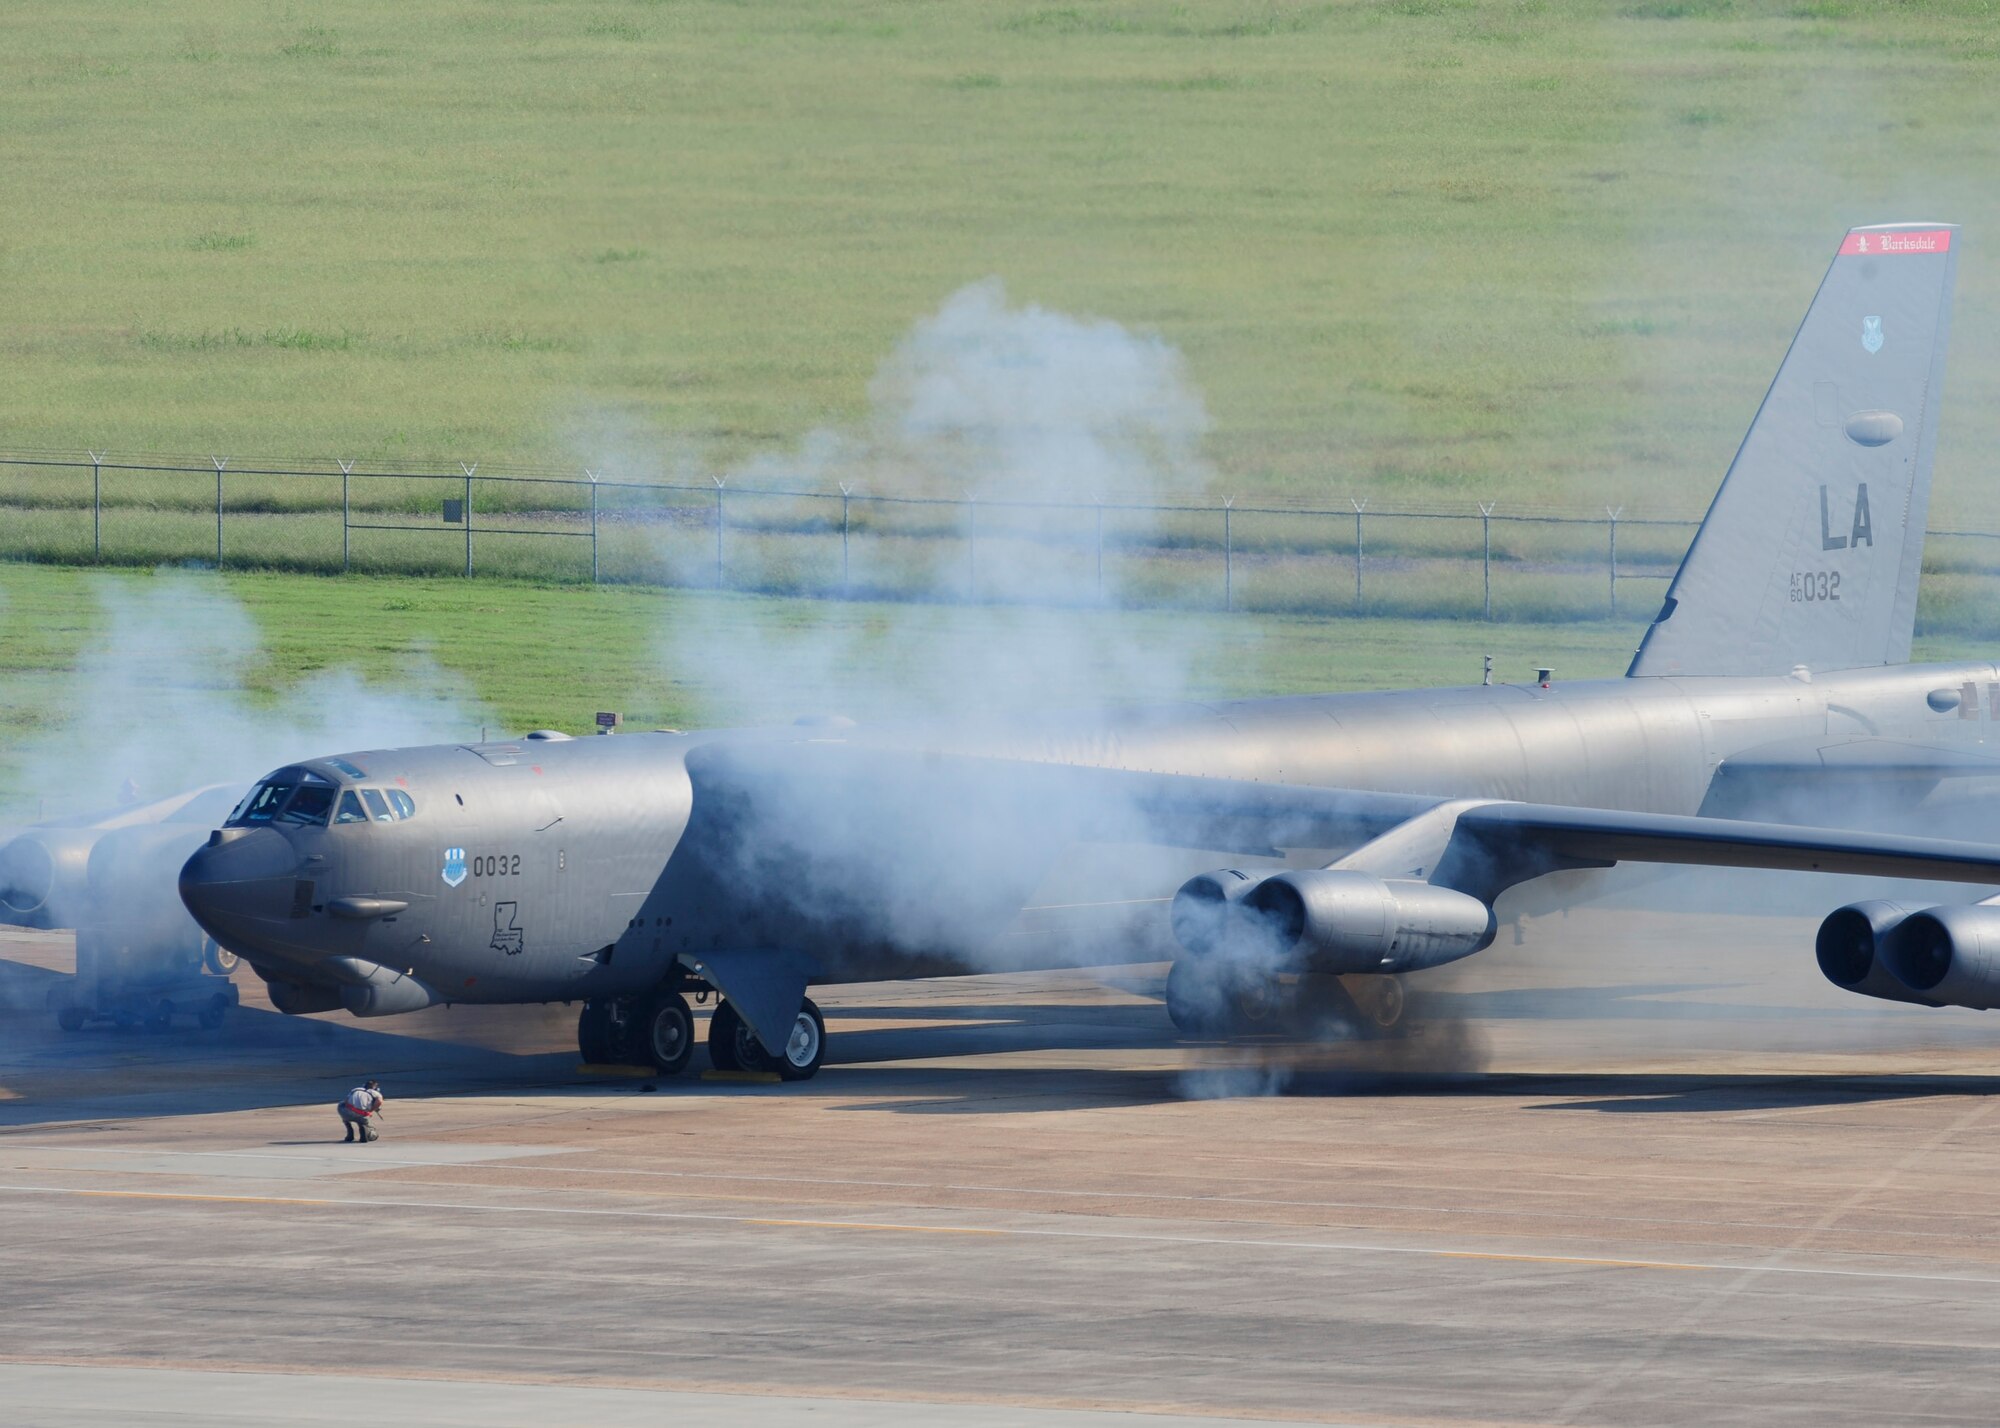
{"type": "Point", "coordinates": [1948, 956]}
{"type": "Point", "coordinates": [1850, 948]}
{"type": "Point", "coordinates": [44, 875]}
{"type": "Point", "coordinates": [1340, 920]}
{"type": "Point", "coordinates": [1207, 907]}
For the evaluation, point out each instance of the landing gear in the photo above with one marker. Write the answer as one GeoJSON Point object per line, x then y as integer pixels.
{"type": "Point", "coordinates": [733, 1046]}
{"type": "Point", "coordinates": [611, 1031]}
{"type": "Point", "coordinates": [217, 958]}
{"type": "Point", "coordinates": [666, 1033]}
{"type": "Point", "coordinates": [655, 1030]}
{"type": "Point", "coordinates": [805, 1048]}
{"type": "Point", "coordinates": [730, 1040]}
{"type": "Point", "coordinates": [72, 1018]}
{"type": "Point", "coordinates": [593, 1032]}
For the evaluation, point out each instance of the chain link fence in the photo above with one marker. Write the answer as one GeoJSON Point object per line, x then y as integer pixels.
{"type": "Point", "coordinates": [1485, 560]}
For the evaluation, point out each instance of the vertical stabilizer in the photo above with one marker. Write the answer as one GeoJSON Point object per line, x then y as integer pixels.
{"type": "Point", "coordinates": [1810, 552]}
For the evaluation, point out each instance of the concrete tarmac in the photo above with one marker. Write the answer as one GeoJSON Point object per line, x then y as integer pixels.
{"type": "Point", "coordinates": [1638, 1170]}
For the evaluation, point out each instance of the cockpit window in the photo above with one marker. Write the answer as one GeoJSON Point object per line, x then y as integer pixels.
{"type": "Point", "coordinates": [309, 793]}
{"type": "Point", "coordinates": [265, 800]}
{"type": "Point", "coordinates": [374, 805]}
{"type": "Point", "coordinates": [309, 806]}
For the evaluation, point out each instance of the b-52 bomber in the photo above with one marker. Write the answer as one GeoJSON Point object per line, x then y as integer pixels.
{"type": "Point", "coordinates": [1367, 836]}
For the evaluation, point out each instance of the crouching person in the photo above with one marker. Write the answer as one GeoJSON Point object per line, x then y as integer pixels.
{"type": "Point", "coordinates": [358, 1112]}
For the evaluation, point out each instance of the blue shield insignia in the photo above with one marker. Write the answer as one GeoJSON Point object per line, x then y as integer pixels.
{"type": "Point", "coordinates": [454, 866]}
{"type": "Point", "coordinates": [1871, 334]}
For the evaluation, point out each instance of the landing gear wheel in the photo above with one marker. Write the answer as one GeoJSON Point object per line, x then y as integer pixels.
{"type": "Point", "coordinates": [217, 958]}
{"type": "Point", "coordinates": [667, 1033]}
{"type": "Point", "coordinates": [732, 1046]}
{"type": "Point", "coordinates": [625, 1032]}
{"type": "Point", "coordinates": [160, 1019]}
{"type": "Point", "coordinates": [209, 1018]}
{"type": "Point", "coordinates": [72, 1018]}
{"type": "Point", "coordinates": [1382, 1001]}
{"type": "Point", "coordinates": [805, 1048]}
{"type": "Point", "coordinates": [593, 1032]}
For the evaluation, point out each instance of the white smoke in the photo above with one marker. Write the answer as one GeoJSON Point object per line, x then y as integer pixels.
{"type": "Point", "coordinates": [982, 398]}
{"type": "Point", "coordinates": [162, 701]}
{"type": "Point", "coordinates": [986, 399]}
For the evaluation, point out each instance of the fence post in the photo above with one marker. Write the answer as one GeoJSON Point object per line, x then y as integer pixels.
{"type": "Point", "coordinates": [468, 470]}
{"type": "Point", "coordinates": [972, 549]}
{"type": "Point", "coordinates": [718, 530]}
{"type": "Point", "coordinates": [97, 505]}
{"type": "Point", "coordinates": [1359, 507]}
{"type": "Point", "coordinates": [593, 523]}
{"type": "Point", "coordinates": [346, 514]}
{"type": "Point", "coordinates": [1486, 554]}
{"type": "Point", "coordinates": [846, 494]}
{"type": "Point", "coordinates": [1611, 516]}
{"type": "Point", "coordinates": [1100, 551]}
{"type": "Point", "coordinates": [1228, 557]}
{"type": "Point", "coordinates": [220, 462]}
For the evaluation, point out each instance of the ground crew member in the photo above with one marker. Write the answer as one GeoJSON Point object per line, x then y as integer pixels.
{"type": "Point", "coordinates": [358, 1111]}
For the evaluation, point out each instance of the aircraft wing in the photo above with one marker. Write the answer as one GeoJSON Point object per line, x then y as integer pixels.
{"type": "Point", "coordinates": [1496, 845]}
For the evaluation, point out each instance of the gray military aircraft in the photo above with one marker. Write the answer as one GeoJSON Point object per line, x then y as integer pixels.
{"type": "Point", "coordinates": [1377, 830]}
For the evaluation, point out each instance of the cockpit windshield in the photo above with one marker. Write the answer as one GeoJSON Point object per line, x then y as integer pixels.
{"type": "Point", "coordinates": [297, 796]}
{"type": "Point", "coordinates": [301, 798]}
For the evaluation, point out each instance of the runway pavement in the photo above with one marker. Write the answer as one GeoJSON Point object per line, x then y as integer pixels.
{"type": "Point", "coordinates": [1637, 1170]}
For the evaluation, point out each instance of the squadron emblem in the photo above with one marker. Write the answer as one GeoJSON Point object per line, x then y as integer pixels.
{"type": "Point", "coordinates": [1871, 334]}
{"type": "Point", "coordinates": [454, 867]}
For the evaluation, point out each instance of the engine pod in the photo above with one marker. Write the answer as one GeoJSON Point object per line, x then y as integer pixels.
{"type": "Point", "coordinates": [1849, 950]}
{"type": "Point", "coordinates": [1341, 920]}
{"type": "Point", "coordinates": [1206, 907]}
{"type": "Point", "coordinates": [1948, 955]}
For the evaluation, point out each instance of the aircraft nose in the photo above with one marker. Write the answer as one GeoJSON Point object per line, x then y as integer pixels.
{"type": "Point", "coordinates": [240, 878]}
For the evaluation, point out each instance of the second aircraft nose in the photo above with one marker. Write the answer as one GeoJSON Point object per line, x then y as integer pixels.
{"type": "Point", "coordinates": [240, 878]}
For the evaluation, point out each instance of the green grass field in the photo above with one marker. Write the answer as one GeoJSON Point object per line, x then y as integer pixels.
{"type": "Point", "coordinates": [1533, 251]}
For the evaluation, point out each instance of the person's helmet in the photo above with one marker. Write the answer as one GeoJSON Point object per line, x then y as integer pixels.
{"type": "Point", "coordinates": [373, 1084]}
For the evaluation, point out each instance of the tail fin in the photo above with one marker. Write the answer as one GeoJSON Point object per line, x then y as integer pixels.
{"type": "Point", "coordinates": [1810, 552]}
